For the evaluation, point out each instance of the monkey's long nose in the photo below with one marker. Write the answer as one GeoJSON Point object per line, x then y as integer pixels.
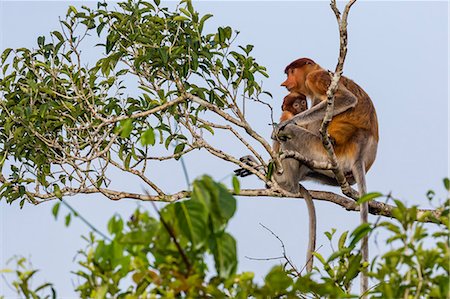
{"type": "Point", "coordinates": [284, 84]}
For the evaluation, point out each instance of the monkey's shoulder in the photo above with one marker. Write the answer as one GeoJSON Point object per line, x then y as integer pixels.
{"type": "Point", "coordinates": [318, 81]}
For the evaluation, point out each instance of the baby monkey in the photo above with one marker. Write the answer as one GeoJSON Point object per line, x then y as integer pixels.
{"type": "Point", "coordinates": [292, 105]}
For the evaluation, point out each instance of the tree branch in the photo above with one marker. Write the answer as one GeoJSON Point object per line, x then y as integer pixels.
{"type": "Point", "coordinates": [375, 207]}
{"type": "Point", "coordinates": [338, 173]}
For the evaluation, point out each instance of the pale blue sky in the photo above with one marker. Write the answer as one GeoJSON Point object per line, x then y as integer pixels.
{"type": "Point", "coordinates": [398, 52]}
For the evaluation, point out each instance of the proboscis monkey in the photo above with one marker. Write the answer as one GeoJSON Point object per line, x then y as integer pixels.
{"type": "Point", "coordinates": [353, 131]}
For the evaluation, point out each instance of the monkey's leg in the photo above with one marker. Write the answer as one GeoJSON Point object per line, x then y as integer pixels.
{"type": "Point", "coordinates": [308, 144]}
{"type": "Point", "coordinates": [303, 141]}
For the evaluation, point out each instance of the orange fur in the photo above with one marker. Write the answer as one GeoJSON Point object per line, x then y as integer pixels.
{"type": "Point", "coordinates": [308, 78]}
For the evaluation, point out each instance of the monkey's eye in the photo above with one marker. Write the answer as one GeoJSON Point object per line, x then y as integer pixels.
{"type": "Point", "coordinates": [303, 102]}
{"type": "Point", "coordinates": [296, 105]}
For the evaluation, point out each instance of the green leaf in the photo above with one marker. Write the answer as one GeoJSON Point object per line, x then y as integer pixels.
{"type": "Point", "coordinates": [330, 235]}
{"type": "Point", "coordinates": [369, 196]}
{"type": "Point", "coordinates": [236, 185]}
{"type": "Point", "coordinates": [319, 257]}
{"type": "Point", "coordinates": [126, 162]}
{"type": "Point", "coordinates": [359, 233]}
{"type": "Point", "coordinates": [58, 35]}
{"type": "Point", "coordinates": [100, 292]}
{"type": "Point", "coordinates": [215, 196]}
{"type": "Point", "coordinates": [270, 169]}
{"type": "Point", "coordinates": [115, 225]}
{"type": "Point", "coordinates": [223, 247]}
{"type": "Point", "coordinates": [142, 237]}
{"type": "Point", "coordinates": [338, 254]}
{"type": "Point", "coordinates": [192, 219]}
{"type": "Point", "coordinates": [68, 219]}
{"type": "Point", "coordinates": [278, 280]}
{"type": "Point", "coordinates": [353, 268]}
{"type": "Point", "coordinates": [126, 127]}
{"type": "Point", "coordinates": [180, 18]}
{"type": "Point", "coordinates": [5, 54]}
{"type": "Point", "coordinates": [72, 9]}
{"type": "Point", "coordinates": [164, 55]}
{"type": "Point", "coordinates": [57, 191]}
{"type": "Point", "coordinates": [55, 209]}
{"type": "Point", "coordinates": [41, 41]}
{"type": "Point", "coordinates": [179, 148]}
{"type": "Point", "coordinates": [447, 184]}
{"type": "Point", "coordinates": [148, 137]}
{"type": "Point", "coordinates": [342, 239]}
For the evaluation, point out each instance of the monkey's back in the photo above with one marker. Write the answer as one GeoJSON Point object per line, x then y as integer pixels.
{"type": "Point", "coordinates": [347, 128]}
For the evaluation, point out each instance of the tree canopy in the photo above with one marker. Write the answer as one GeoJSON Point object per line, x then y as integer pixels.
{"type": "Point", "coordinates": [67, 124]}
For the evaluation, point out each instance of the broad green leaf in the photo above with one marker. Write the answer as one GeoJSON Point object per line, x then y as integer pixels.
{"type": "Point", "coordinates": [369, 196]}
{"type": "Point", "coordinates": [192, 221]}
{"type": "Point", "coordinates": [58, 35]}
{"type": "Point", "coordinates": [115, 225]}
{"type": "Point", "coordinates": [353, 268]}
{"type": "Point", "coordinates": [236, 185]}
{"type": "Point", "coordinates": [223, 247]}
{"type": "Point", "coordinates": [179, 148]}
{"type": "Point", "coordinates": [278, 280]}
{"type": "Point", "coordinates": [138, 237]}
{"type": "Point", "coordinates": [126, 127]}
{"type": "Point", "coordinates": [361, 231]}
{"type": "Point", "coordinates": [220, 202]}
{"type": "Point", "coordinates": [55, 209]}
{"type": "Point", "coordinates": [148, 137]}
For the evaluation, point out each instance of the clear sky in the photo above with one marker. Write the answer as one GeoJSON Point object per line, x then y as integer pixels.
{"type": "Point", "coordinates": [398, 52]}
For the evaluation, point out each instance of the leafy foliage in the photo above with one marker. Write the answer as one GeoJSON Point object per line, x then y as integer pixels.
{"type": "Point", "coordinates": [24, 275]}
{"type": "Point", "coordinates": [164, 256]}
{"type": "Point", "coordinates": [62, 118]}
{"type": "Point", "coordinates": [149, 257]}
{"type": "Point", "coordinates": [65, 123]}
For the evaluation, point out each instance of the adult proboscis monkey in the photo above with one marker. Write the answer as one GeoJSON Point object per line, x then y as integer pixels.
{"type": "Point", "coordinates": [353, 131]}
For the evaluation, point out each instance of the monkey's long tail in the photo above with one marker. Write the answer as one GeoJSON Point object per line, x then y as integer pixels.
{"type": "Point", "coordinates": [312, 227]}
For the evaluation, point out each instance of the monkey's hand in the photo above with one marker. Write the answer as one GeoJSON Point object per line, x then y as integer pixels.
{"type": "Point", "coordinates": [281, 126]}
{"type": "Point", "coordinates": [279, 133]}
{"type": "Point", "coordinates": [250, 161]}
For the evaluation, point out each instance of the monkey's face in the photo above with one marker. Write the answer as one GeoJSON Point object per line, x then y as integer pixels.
{"type": "Point", "coordinates": [294, 103]}
{"type": "Point", "coordinates": [299, 106]}
{"type": "Point", "coordinates": [296, 106]}
{"type": "Point", "coordinates": [295, 81]}
{"type": "Point", "coordinates": [296, 73]}
{"type": "Point", "coordinates": [291, 83]}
